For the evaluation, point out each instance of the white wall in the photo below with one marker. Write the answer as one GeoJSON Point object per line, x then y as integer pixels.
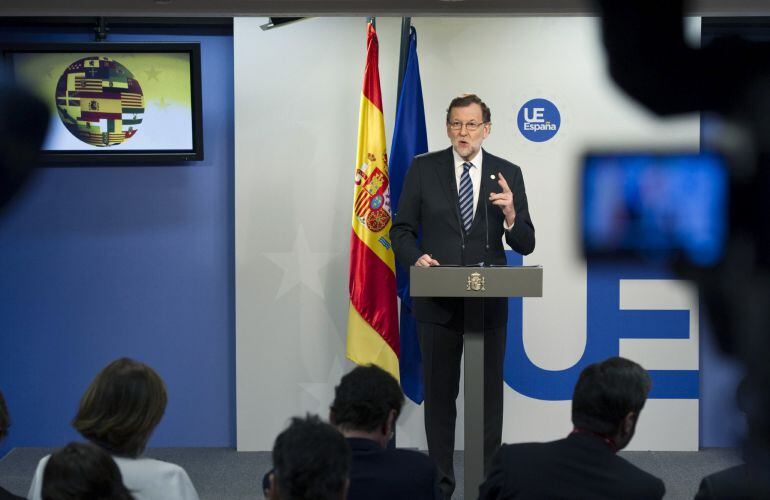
{"type": "Point", "coordinates": [297, 92]}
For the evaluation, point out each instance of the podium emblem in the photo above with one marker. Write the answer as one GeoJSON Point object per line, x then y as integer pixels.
{"type": "Point", "coordinates": [475, 282]}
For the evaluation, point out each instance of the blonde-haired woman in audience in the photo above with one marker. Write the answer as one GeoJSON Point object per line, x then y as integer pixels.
{"type": "Point", "coordinates": [118, 412]}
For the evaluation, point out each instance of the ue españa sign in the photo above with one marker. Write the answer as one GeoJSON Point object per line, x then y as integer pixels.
{"type": "Point", "coordinates": [539, 120]}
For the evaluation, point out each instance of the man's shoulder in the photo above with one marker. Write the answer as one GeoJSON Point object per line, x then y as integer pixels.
{"type": "Point", "coordinates": [639, 479]}
{"type": "Point", "coordinates": [528, 452]}
{"type": "Point", "coordinates": [144, 465]}
{"type": "Point", "coordinates": [409, 459]}
{"type": "Point", "coordinates": [555, 454]}
{"type": "Point", "coordinates": [498, 162]}
{"type": "Point", "coordinates": [431, 156]}
{"type": "Point", "coordinates": [7, 495]}
{"type": "Point", "coordinates": [413, 455]}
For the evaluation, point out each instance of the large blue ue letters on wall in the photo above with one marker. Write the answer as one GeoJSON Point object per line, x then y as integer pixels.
{"type": "Point", "coordinates": [606, 325]}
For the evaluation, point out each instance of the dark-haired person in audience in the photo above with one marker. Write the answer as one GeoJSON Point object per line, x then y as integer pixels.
{"type": "Point", "coordinates": [118, 412]}
{"type": "Point", "coordinates": [366, 404]}
{"type": "Point", "coordinates": [737, 483]}
{"type": "Point", "coordinates": [82, 471]}
{"type": "Point", "coordinates": [606, 403]}
{"type": "Point", "coordinates": [310, 462]}
{"type": "Point", "coordinates": [5, 423]}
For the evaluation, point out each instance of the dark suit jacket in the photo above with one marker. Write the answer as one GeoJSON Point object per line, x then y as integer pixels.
{"type": "Point", "coordinates": [7, 495]}
{"type": "Point", "coordinates": [734, 483]}
{"type": "Point", "coordinates": [390, 474]}
{"type": "Point", "coordinates": [428, 221]}
{"type": "Point", "coordinates": [581, 466]}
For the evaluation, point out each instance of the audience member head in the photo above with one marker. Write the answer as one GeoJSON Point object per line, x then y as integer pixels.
{"type": "Point", "coordinates": [5, 418]}
{"type": "Point", "coordinates": [121, 407]}
{"type": "Point", "coordinates": [366, 404]}
{"type": "Point", "coordinates": [608, 398]}
{"type": "Point", "coordinates": [311, 461]}
{"type": "Point", "coordinates": [80, 471]}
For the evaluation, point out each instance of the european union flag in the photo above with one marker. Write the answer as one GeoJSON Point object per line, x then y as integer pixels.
{"type": "Point", "coordinates": [410, 138]}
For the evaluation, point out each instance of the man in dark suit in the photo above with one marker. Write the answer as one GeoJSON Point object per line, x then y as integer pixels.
{"type": "Point", "coordinates": [456, 207]}
{"type": "Point", "coordinates": [5, 422]}
{"type": "Point", "coordinates": [745, 481]}
{"type": "Point", "coordinates": [605, 408]}
{"type": "Point", "coordinates": [365, 409]}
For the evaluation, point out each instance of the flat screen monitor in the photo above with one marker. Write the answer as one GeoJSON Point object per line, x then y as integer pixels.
{"type": "Point", "coordinates": [115, 102]}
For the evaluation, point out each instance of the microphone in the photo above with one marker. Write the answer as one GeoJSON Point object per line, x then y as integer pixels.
{"type": "Point", "coordinates": [462, 232]}
{"type": "Point", "coordinates": [486, 223]}
{"type": "Point", "coordinates": [486, 227]}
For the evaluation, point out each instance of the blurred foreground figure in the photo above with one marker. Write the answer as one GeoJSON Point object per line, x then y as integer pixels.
{"type": "Point", "coordinates": [735, 483]}
{"type": "Point", "coordinates": [23, 123]}
{"type": "Point", "coordinates": [649, 58]}
{"type": "Point", "coordinates": [5, 423]}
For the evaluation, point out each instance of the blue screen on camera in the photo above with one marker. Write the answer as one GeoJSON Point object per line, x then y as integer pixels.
{"type": "Point", "coordinates": [656, 205]}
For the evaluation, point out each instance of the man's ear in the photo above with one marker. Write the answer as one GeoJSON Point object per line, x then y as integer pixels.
{"type": "Point", "coordinates": [487, 129]}
{"type": "Point", "coordinates": [390, 426]}
{"type": "Point", "coordinates": [272, 491]}
{"type": "Point", "coordinates": [629, 423]}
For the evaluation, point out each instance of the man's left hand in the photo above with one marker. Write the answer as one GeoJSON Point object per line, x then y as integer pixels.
{"type": "Point", "coordinates": [504, 200]}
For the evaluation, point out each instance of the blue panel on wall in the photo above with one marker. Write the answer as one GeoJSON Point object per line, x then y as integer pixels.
{"type": "Point", "coordinates": [102, 262]}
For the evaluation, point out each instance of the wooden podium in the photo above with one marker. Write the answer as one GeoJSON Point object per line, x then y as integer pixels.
{"type": "Point", "coordinates": [474, 284]}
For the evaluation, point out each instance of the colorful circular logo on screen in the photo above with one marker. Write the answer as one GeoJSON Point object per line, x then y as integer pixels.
{"type": "Point", "coordinates": [539, 120]}
{"type": "Point", "coordinates": [99, 101]}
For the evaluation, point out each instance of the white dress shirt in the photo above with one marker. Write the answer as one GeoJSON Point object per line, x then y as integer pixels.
{"type": "Point", "coordinates": [474, 172]}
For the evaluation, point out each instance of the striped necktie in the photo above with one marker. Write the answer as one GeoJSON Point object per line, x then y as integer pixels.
{"type": "Point", "coordinates": [465, 198]}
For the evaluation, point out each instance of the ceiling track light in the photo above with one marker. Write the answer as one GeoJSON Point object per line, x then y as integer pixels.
{"type": "Point", "coordinates": [277, 22]}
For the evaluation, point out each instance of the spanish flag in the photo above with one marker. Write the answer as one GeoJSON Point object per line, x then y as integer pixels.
{"type": "Point", "coordinates": [372, 315]}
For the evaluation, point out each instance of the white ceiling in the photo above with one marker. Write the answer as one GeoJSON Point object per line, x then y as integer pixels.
{"type": "Point", "coordinates": [231, 8]}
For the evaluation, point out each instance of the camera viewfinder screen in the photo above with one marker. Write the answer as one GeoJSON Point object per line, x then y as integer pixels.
{"type": "Point", "coordinates": [655, 206]}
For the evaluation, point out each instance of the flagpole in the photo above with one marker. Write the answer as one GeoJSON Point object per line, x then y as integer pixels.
{"type": "Point", "coordinates": [406, 24]}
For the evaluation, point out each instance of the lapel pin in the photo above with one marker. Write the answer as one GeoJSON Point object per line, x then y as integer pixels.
{"type": "Point", "coordinates": [492, 176]}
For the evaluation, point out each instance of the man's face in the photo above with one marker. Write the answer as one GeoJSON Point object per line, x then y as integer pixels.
{"type": "Point", "coordinates": [467, 142]}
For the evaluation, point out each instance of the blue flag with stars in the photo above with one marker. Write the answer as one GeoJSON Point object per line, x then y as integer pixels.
{"type": "Point", "coordinates": [410, 138]}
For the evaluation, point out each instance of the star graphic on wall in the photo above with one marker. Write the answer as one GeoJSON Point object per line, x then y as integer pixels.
{"type": "Point", "coordinates": [301, 265]}
{"type": "Point", "coordinates": [152, 73]}
{"type": "Point", "coordinates": [318, 396]}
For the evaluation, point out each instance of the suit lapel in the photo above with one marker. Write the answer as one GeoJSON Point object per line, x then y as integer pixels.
{"type": "Point", "coordinates": [446, 174]}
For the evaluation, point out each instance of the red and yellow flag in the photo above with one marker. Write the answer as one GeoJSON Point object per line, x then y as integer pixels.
{"type": "Point", "coordinates": [372, 315]}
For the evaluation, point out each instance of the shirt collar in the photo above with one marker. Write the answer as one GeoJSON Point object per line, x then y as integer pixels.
{"type": "Point", "coordinates": [363, 444]}
{"type": "Point", "coordinates": [476, 160]}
